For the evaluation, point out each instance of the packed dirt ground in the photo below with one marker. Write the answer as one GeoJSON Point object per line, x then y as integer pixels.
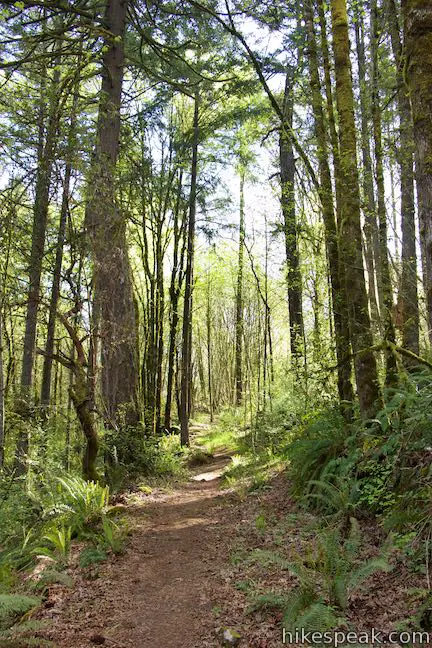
{"type": "Point", "coordinates": [184, 580]}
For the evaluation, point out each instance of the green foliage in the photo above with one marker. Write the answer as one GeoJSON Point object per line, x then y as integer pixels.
{"type": "Point", "coordinates": [328, 575]}
{"type": "Point", "coordinates": [316, 454]}
{"type": "Point", "coordinates": [59, 541]}
{"type": "Point", "coordinates": [80, 502]}
{"type": "Point", "coordinates": [15, 605]}
{"type": "Point", "coordinates": [269, 601]}
{"type": "Point", "coordinates": [340, 500]}
{"type": "Point", "coordinates": [19, 509]}
{"type": "Point", "coordinates": [91, 556]}
{"type": "Point", "coordinates": [19, 550]}
{"type": "Point", "coordinates": [261, 522]}
{"type": "Point", "coordinates": [113, 535]}
{"type": "Point", "coordinates": [23, 635]}
{"type": "Point", "coordinates": [225, 435]}
{"type": "Point", "coordinates": [7, 576]}
{"type": "Point", "coordinates": [303, 611]}
{"type": "Point", "coordinates": [51, 576]}
{"type": "Point", "coordinates": [199, 457]}
{"type": "Point", "coordinates": [157, 457]}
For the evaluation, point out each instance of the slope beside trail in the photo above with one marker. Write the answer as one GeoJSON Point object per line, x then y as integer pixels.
{"type": "Point", "coordinates": [186, 574]}
{"type": "Point", "coordinates": [155, 594]}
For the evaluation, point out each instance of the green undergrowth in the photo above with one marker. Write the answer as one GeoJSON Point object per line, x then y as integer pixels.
{"type": "Point", "coordinates": [327, 574]}
{"type": "Point", "coordinates": [223, 435]}
{"type": "Point", "coordinates": [158, 459]}
{"type": "Point", "coordinates": [40, 520]}
{"type": "Point", "coordinates": [374, 475]}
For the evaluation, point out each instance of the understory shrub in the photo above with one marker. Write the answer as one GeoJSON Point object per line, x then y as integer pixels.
{"type": "Point", "coordinates": [137, 456]}
{"type": "Point", "coordinates": [381, 467]}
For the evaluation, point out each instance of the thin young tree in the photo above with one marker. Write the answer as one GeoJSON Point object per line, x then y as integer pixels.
{"type": "Point", "coordinates": [186, 357]}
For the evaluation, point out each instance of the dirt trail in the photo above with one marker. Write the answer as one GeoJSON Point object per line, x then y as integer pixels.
{"type": "Point", "coordinates": [156, 594]}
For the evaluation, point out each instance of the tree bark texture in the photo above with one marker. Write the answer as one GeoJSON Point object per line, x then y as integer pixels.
{"type": "Point", "coordinates": [349, 221]}
{"type": "Point", "coordinates": [338, 291]}
{"type": "Point", "coordinates": [107, 228]}
{"type": "Point", "coordinates": [408, 292]}
{"type": "Point", "coordinates": [287, 171]}
{"type": "Point", "coordinates": [186, 359]}
{"type": "Point", "coordinates": [239, 300]}
{"type": "Point", "coordinates": [417, 16]}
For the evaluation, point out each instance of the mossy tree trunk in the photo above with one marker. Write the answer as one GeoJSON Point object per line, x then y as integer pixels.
{"type": "Point", "coordinates": [408, 292]}
{"type": "Point", "coordinates": [338, 292]}
{"type": "Point", "coordinates": [350, 234]}
{"type": "Point", "coordinates": [239, 326]}
{"type": "Point", "coordinates": [384, 265]}
{"type": "Point", "coordinates": [2, 388]}
{"type": "Point", "coordinates": [107, 227]}
{"type": "Point", "coordinates": [287, 172]}
{"type": "Point", "coordinates": [417, 16]}
{"type": "Point", "coordinates": [46, 153]}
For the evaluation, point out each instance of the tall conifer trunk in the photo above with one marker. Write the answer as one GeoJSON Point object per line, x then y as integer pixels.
{"type": "Point", "coordinates": [186, 360]}
{"type": "Point", "coordinates": [418, 69]}
{"type": "Point", "coordinates": [239, 300]}
{"type": "Point", "coordinates": [2, 387]}
{"type": "Point", "coordinates": [408, 293]}
{"type": "Point", "coordinates": [287, 171]}
{"type": "Point", "coordinates": [349, 220]}
{"type": "Point", "coordinates": [372, 247]}
{"type": "Point", "coordinates": [338, 292]}
{"type": "Point", "coordinates": [384, 266]}
{"type": "Point", "coordinates": [46, 153]}
{"type": "Point", "coordinates": [55, 290]}
{"type": "Point", "coordinates": [107, 228]}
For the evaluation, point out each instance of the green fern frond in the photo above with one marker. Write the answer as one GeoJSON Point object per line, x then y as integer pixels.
{"type": "Point", "coordinates": [269, 601]}
{"type": "Point", "coordinates": [298, 601]}
{"type": "Point", "coordinates": [53, 577]}
{"type": "Point", "coordinates": [15, 604]}
{"type": "Point", "coordinates": [352, 543]}
{"type": "Point", "coordinates": [267, 558]}
{"type": "Point", "coordinates": [372, 566]}
{"type": "Point", "coordinates": [318, 617]}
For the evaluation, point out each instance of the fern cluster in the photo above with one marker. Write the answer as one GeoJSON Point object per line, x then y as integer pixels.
{"type": "Point", "coordinates": [14, 605]}
{"type": "Point", "coordinates": [327, 576]}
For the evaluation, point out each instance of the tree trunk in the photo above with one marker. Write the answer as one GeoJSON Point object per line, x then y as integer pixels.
{"type": "Point", "coordinates": [418, 69]}
{"type": "Point", "coordinates": [186, 360]}
{"type": "Point", "coordinates": [349, 221]}
{"type": "Point", "coordinates": [2, 390]}
{"type": "Point", "coordinates": [372, 247]}
{"type": "Point", "coordinates": [338, 293]}
{"type": "Point", "coordinates": [239, 300]}
{"type": "Point", "coordinates": [55, 292]}
{"type": "Point", "coordinates": [46, 153]}
{"type": "Point", "coordinates": [174, 293]}
{"type": "Point", "coordinates": [80, 399]}
{"type": "Point", "coordinates": [209, 347]}
{"type": "Point", "coordinates": [107, 228]}
{"type": "Point", "coordinates": [287, 170]}
{"type": "Point", "coordinates": [384, 267]}
{"type": "Point", "coordinates": [408, 293]}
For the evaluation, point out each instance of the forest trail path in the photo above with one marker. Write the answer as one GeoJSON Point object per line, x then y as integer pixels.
{"type": "Point", "coordinates": [155, 595]}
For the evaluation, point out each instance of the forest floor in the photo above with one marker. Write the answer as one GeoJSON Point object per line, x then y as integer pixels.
{"type": "Point", "coordinates": [183, 579]}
